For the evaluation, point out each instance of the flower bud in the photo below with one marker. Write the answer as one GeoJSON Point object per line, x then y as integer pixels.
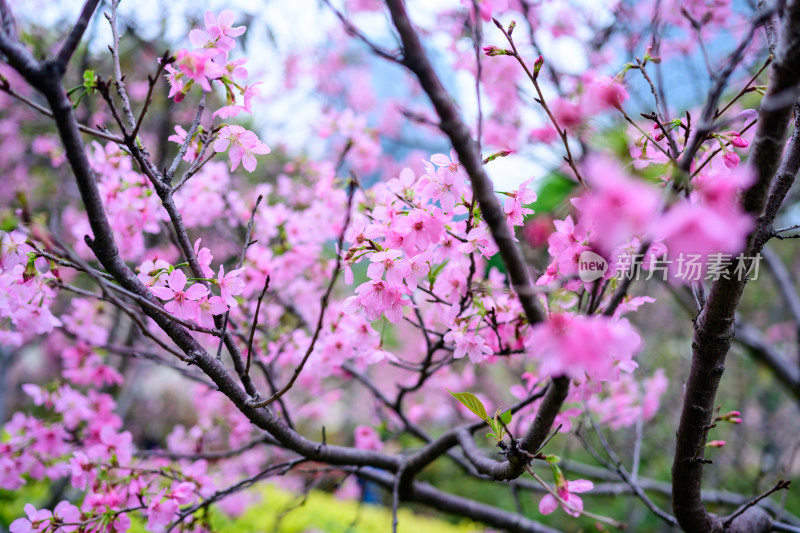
{"type": "Point", "coordinates": [492, 51]}
{"type": "Point", "coordinates": [538, 65]}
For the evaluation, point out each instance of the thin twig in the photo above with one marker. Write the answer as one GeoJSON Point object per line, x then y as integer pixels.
{"type": "Point", "coordinates": [254, 324]}
{"type": "Point", "coordinates": [323, 306]}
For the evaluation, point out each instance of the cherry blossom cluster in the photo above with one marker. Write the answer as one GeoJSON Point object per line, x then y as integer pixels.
{"type": "Point", "coordinates": [26, 298]}
{"type": "Point", "coordinates": [412, 290]}
{"type": "Point", "coordinates": [619, 213]}
{"type": "Point", "coordinates": [207, 63]}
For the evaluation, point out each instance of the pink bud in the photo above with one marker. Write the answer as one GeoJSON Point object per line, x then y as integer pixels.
{"type": "Point", "coordinates": [739, 142]}
{"type": "Point", "coordinates": [731, 159]}
{"type": "Point", "coordinates": [715, 444]}
{"type": "Point", "coordinates": [538, 65]}
{"type": "Point", "coordinates": [492, 51]}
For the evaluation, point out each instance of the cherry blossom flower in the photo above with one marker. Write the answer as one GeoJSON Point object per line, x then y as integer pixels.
{"type": "Point", "coordinates": [418, 266]}
{"type": "Point", "coordinates": [242, 145]}
{"type": "Point", "coordinates": [469, 344]}
{"type": "Point", "coordinates": [617, 207]}
{"type": "Point", "coordinates": [161, 511]}
{"type": "Point", "coordinates": [230, 285]}
{"type": "Point", "coordinates": [198, 66]}
{"type": "Point", "coordinates": [444, 186]}
{"type": "Point", "coordinates": [420, 229]}
{"type": "Point", "coordinates": [35, 520]}
{"type": "Point", "coordinates": [577, 346]}
{"type": "Point", "coordinates": [113, 445]}
{"type": "Point", "coordinates": [366, 438]}
{"type": "Point", "coordinates": [153, 272]}
{"type": "Point", "coordinates": [571, 503]}
{"type": "Point", "coordinates": [66, 513]}
{"type": "Point", "coordinates": [82, 470]}
{"type": "Point", "coordinates": [13, 249]}
{"type": "Point", "coordinates": [604, 93]}
{"type": "Point", "coordinates": [208, 307]}
{"type": "Point", "coordinates": [223, 24]}
{"type": "Point", "coordinates": [388, 262]}
{"type": "Point", "coordinates": [441, 160]}
{"type": "Point", "coordinates": [182, 303]}
{"type": "Point", "coordinates": [479, 240]}
{"type": "Point", "coordinates": [179, 137]}
{"type": "Point", "coordinates": [376, 298]}
{"type": "Point", "coordinates": [204, 259]}
{"type": "Point", "coordinates": [514, 205]}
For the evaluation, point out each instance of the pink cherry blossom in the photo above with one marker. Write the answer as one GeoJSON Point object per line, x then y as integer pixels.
{"type": "Point", "coordinates": [66, 513]}
{"type": "Point", "coordinates": [366, 438]}
{"type": "Point", "coordinates": [420, 229]}
{"type": "Point", "coordinates": [13, 249]}
{"type": "Point", "coordinates": [617, 207]}
{"type": "Point", "coordinates": [514, 205]}
{"type": "Point", "coordinates": [199, 67]}
{"type": "Point", "coordinates": [223, 24]}
{"type": "Point", "coordinates": [469, 344]}
{"type": "Point", "coordinates": [183, 493]}
{"type": "Point", "coordinates": [570, 502]}
{"type": "Point", "coordinates": [82, 470]}
{"type": "Point", "coordinates": [604, 93]}
{"type": "Point", "coordinates": [444, 186]}
{"type": "Point", "coordinates": [179, 137]}
{"type": "Point", "coordinates": [204, 259]}
{"type": "Point", "coordinates": [182, 303]}
{"type": "Point", "coordinates": [577, 346]}
{"type": "Point", "coordinates": [376, 298]}
{"type": "Point", "coordinates": [242, 145]}
{"type": "Point", "coordinates": [209, 307]}
{"type": "Point", "coordinates": [396, 269]}
{"type": "Point", "coordinates": [161, 511]}
{"type": "Point", "coordinates": [36, 520]}
{"type": "Point", "coordinates": [230, 285]}
{"type": "Point", "coordinates": [153, 273]}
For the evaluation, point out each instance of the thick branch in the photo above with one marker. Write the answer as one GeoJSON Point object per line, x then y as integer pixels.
{"type": "Point", "coordinates": [714, 327]}
{"type": "Point", "coordinates": [454, 127]}
{"type": "Point", "coordinates": [74, 38]}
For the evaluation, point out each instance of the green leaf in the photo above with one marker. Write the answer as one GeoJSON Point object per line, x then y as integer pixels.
{"type": "Point", "coordinates": [471, 402]}
{"type": "Point", "coordinates": [505, 418]}
{"type": "Point", "coordinates": [491, 436]}
{"type": "Point", "coordinates": [552, 192]}
{"type": "Point", "coordinates": [433, 273]}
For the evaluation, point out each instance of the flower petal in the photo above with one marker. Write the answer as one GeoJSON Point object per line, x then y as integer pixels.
{"type": "Point", "coordinates": [196, 291]}
{"type": "Point", "coordinates": [177, 280]}
{"type": "Point", "coordinates": [580, 485]}
{"type": "Point", "coordinates": [548, 504]}
{"type": "Point", "coordinates": [163, 292]}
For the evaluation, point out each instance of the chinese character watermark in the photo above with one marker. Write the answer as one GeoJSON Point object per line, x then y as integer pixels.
{"type": "Point", "coordinates": [683, 267]}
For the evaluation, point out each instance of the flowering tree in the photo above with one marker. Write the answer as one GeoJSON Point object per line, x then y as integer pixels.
{"type": "Point", "coordinates": [268, 294]}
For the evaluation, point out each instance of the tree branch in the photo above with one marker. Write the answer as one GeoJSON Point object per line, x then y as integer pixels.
{"type": "Point", "coordinates": [714, 327]}
{"type": "Point", "coordinates": [76, 34]}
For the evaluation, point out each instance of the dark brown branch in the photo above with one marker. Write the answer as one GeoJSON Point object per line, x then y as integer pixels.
{"type": "Point", "coordinates": [780, 485]}
{"type": "Point", "coordinates": [714, 327]}
{"type": "Point", "coordinates": [76, 34]}
{"type": "Point", "coordinates": [185, 146]}
{"type": "Point", "coordinates": [448, 503]}
{"type": "Point", "coordinates": [416, 60]}
{"type": "Point", "coordinates": [254, 325]}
